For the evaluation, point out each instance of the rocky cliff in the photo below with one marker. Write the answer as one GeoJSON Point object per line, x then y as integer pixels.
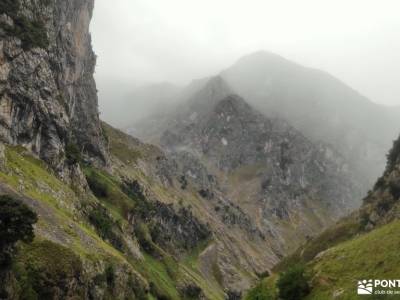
{"type": "Point", "coordinates": [48, 100]}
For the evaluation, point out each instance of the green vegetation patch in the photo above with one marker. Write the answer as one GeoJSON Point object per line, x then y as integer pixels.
{"type": "Point", "coordinates": [106, 227]}
{"type": "Point", "coordinates": [45, 269]}
{"type": "Point", "coordinates": [162, 286]}
{"type": "Point", "coordinates": [108, 189]}
{"type": "Point", "coordinates": [260, 292]}
{"type": "Point", "coordinates": [293, 283]}
{"type": "Point", "coordinates": [371, 255]}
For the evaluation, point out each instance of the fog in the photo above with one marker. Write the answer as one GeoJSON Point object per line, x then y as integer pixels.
{"type": "Point", "coordinates": [140, 42]}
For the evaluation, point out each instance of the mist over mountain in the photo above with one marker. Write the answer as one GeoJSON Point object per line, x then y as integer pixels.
{"type": "Point", "coordinates": [320, 106]}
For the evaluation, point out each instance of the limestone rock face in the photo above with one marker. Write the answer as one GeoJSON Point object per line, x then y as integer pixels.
{"type": "Point", "coordinates": [47, 92]}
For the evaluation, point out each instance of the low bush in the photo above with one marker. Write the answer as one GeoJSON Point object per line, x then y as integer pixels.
{"type": "Point", "coordinates": [293, 284]}
{"type": "Point", "coordinates": [72, 154]}
{"type": "Point", "coordinates": [104, 225]}
{"type": "Point", "coordinates": [16, 224]}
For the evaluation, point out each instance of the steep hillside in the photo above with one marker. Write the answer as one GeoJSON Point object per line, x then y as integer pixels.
{"type": "Point", "coordinates": [361, 246]}
{"type": "Point", "coordinates": [320, 106]}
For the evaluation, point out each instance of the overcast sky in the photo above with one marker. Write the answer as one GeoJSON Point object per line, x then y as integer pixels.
{"type": "Point", "coordinates": [141, 41]}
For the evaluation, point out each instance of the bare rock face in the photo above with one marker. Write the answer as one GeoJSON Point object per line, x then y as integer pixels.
{"type": "Point", "coordinates": [47, 92]}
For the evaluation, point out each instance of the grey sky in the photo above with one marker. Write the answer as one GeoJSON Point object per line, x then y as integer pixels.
{"type": "Point", "coordinates": [141, 41]}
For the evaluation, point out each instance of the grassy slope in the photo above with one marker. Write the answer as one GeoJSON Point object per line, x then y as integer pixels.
{"type": "Point", "coordinates": [32, 178]}
{"type": "Point", "coordinates": [336, 271]}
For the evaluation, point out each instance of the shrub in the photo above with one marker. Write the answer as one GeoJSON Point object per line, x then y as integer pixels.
{"type": "Point", "coordinates": [144, 238]}
{"type": "Point", "coordinates": [110, 275]}
{"type": "Point", "coordinates": [104, 224]}
{"type": "Point", "coordinates": [191, 291]}
{"type": "Point", "coordinates": [98, 187]}
{"type": "Point", "coordinates": [16, 224]}
{"type": "Point", "coordinates": [156, 292]}
{"type": "Point", "coordinates": [292, 284]}
{"type": "Point", "coordinates": [394, 189]}
{"type": "Point", "coordinates": [72, 154]}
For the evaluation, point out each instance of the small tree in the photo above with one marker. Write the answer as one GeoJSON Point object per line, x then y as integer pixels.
{"type": "Point", "coordinates": [16, 224]}
{"type": "Point", "coordinates": [293, 284]}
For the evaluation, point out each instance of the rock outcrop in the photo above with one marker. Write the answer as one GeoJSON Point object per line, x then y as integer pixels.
{"type": "Point", "coordinates": [48, 100]}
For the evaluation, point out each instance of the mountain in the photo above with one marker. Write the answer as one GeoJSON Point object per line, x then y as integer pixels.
{"type": "Point", "coordinates": [320, 106]}
{"type": "Point", "coordinates": [360, 246]}
{"type": "Point", "coordinates": [287, 185]}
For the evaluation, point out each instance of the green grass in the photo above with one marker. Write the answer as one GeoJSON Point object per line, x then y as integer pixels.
{"type": "Point", "coordinates": [157, 272]}
{"type": "Point", "coordinates": [31, 176]}
{"type": "Point", "coordinates": [107, 189]}
{"type": "Point", "coordinates": [372, 255]}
